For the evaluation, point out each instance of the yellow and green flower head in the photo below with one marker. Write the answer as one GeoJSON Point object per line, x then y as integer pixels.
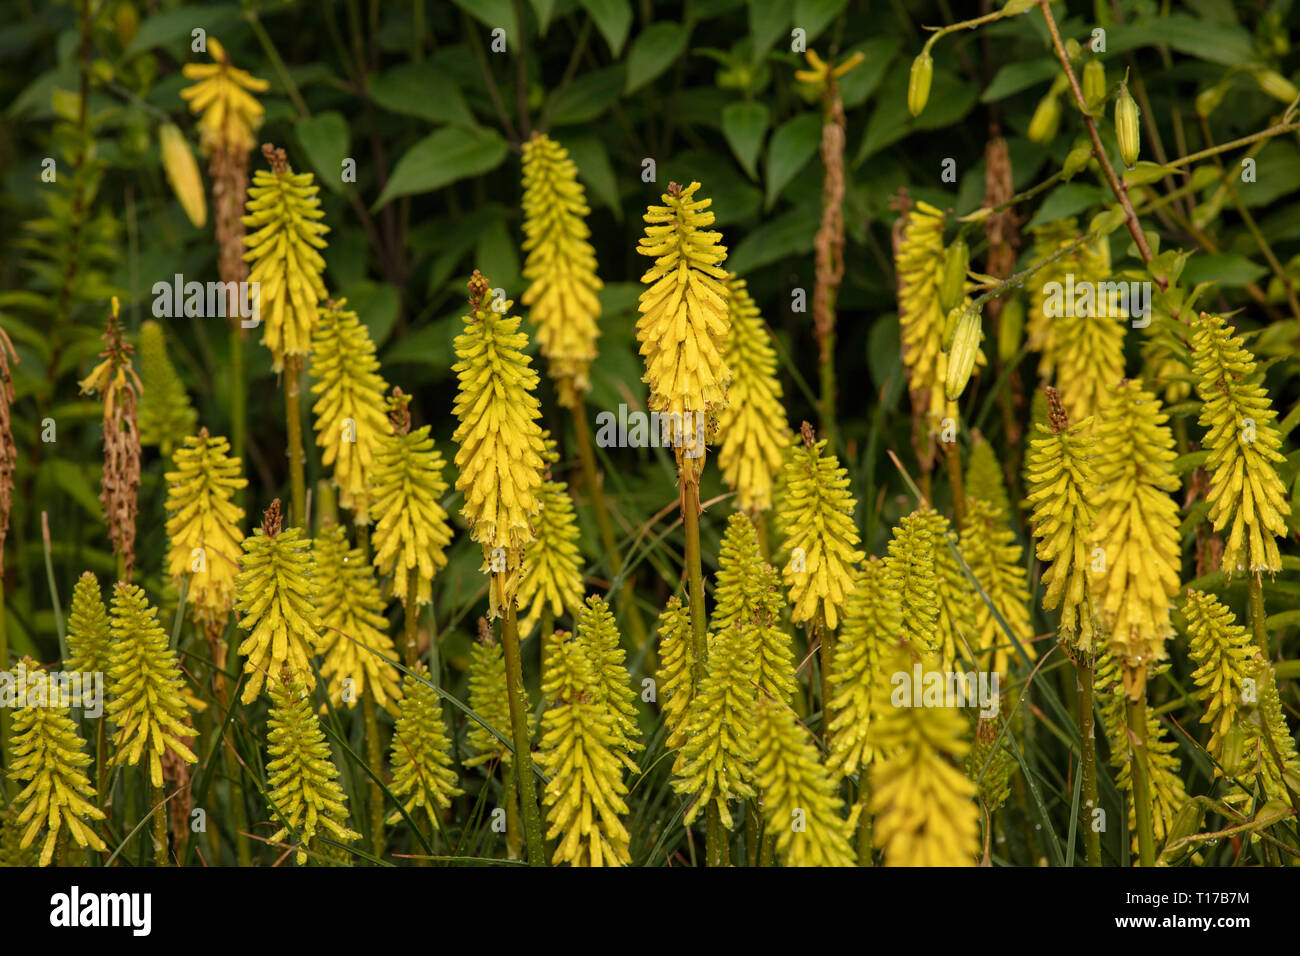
{"type": "Point", "coordinates": [582, 754]}
{"type": "Point", "coordinates": [305, 798]}
{"type": "Point", "coordinates": [552, 575]}
{"type": "Point", "coordinates": [683, 324]}
{"type": "Point", "coordinates": [910, 568]}
{"type": "Point", "coordinates": [411, 531]}
{"type": "Point", "coordinates": [354, 632]}
{"type": "Point", "coordinates": [1137, 529]}
{"type": "Point", "coordinates": [597, 635]}
{"type": "Point", "coordinates": [676, 664]}
{"type": "Point", "coordinates": [918, 262]}
{"type": "Point", "coordinates": [1246, 495]}
{"type": "Point", "coordinates": [47, 760]}
{"type": "Point", "coordinates": [203, 525]}
{"type": "Point", "coordinates": [223, 96]}
{"type": "Point", "coordinates": [1087, 262]}
{"type": "Point", "coordinates": [488, 698]}
{"type": "Point", "coordinates": [424, 777]}
{"type": "Point", "coordinates": [284, 251]}
{"type": "Point", "coordinates": [994, 557]}
{"type": "Point", "coordinates": [985, 479]}
{"type": "Point", "coordinates": [800, 799]}
{"type": "Point", "coordinates": [560, 266]}
{"type": "Point", "coordinates": [349, 409]}
{"type": "Point", "coordinates": [956, 598]}
{"type": "Point", "coordinates": [90, 647]}
{"type": "Point", "coordinates": [278, 604]}
{"type": "Point", "coordinates": [500, 459]}
{"type": "Point", "coordinates": [165, 415]}
{"type": "Point", "coordinates": [734, 588]}
{"type": "Point", "coordinates": [820, 540]}
{"type": "Point", "coordinates": [1063, 490]}
{"type": "Point", "coordinates": [146, 692]}
{"type": "Point", "coordinates": [753, 426]}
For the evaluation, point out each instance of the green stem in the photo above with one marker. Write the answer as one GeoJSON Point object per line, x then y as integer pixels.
{"type": "Point", "coordinates": [1257, 627]}
{"type": "Point", "coordinates": [158, 798]}
{"type": "Point", "coordinates": [1088, 747]}
{"type": "Point", "coordinates": [690, 506]}
{"type": "Point", "coordinates": [374, 753]}
{"type": "Point", "coordinates": [830, 428]}
{"type": "Point", "coordinates": [864, 817]}
{"type": "Point", "coordinates": [952, 458]}
{"type": "Point", "coordinates": [238, 398]}
{"type": "Point", "coordinates": [825, 656]}
{"type": "Point", "coordinates": [514, 838]}
{"type": "Point", "coordinates": [523, 756]}
{"type": "Point", "coordinates": [411, 625]}
{"type": "Point", "coordinates": [293, 422]}
{"type": "Point", "coordinates": [1137, 729]}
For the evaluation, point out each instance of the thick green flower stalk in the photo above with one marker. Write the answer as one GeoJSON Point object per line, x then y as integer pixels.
{"type": "Point", "coordinates": [986, 481]}
{"type": "Point", "coordinates": [500, 459]}
{"type": "Point", "coordinates": [581, 752]}
{"type": "Point", "coordinates": [911, 566]}
{"type": "Point", "coordinates": [560, 267]}
{"type": "Point", "coordinates": [353, 630]}
{"type": "Point", "coordinates": [552, 563]}
{"type": "Point", "coordinates": [1064, 491]}
{"type": "Point", "coordinates": [815, 515]}
{"type": "Point", "coordinates": [203, 526]}
{"type": "Point", "coordinates": [1137, 529]}
{"type": "Point", "coordinates": [305, 797]}
{"type": "Point", "coordinates": [487, 697]}
{"type": "Point", "coordinates": [924, 807]}
{"type": "Point", "coordinates": [753, 428]}
{"type": "Point", "coordinates": [716, 761]}
{"type": "Point", "coordinates": [146, 692]}
{"type": "Point", "coordinates": [349, 410]}
{"type": "Point", "coordinates": [995, 558]}
{"type": "Point", "coordinates": [284, 250]}
{"type": "Point", "coordinates": [1246, 494]}
{"type": "Point", "coordinates": [597, 635]}
{"type": "Point", "coordinates": [47, 759]}
{"type": "Point", "coordinates": [676, 663]}
{"type": "Point", "coordinates": [872, 630]}
{"type": "Point", "coordinates": [411, 531]}
{"type": "Point", "coordinates": [278, 604]}
{"type": "Point", "coordinates": [424, 776]}
{"type": "Point", "coordinates": [165, 415]}
{"type": "Point", "coordinates": [800, 802]}
{"type": "Point", "coordinates": [90, 647]}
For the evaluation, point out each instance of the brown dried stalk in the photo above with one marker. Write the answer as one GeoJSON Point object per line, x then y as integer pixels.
{"type": "Point", "coordinates": [8, 451]}
{"type": "Point", "coordinates": [828, 248]}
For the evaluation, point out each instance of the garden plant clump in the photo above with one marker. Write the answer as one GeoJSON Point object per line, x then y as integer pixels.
{"type": "Point", "coordinates": [716, 433]}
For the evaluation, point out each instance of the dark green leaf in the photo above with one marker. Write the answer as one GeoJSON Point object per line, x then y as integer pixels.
{"type": "Point", "coordinates": [613, 19]}
{"type": "Point", "coordinates": [814, 16]}
{"type": "Point", "coordinates": [1226, 270]}
{"type": "Point", "coordinates": [422, 90]}
{"type": "Point", "coordinates": [768, 19]}
{"type": "Point", "coordinates": [173, 24]}
{"type": "Point", "coordinates": [592, 159]}
{"type": "Point", "coordinates": [443, 157]}
{"type": "Point", "coordinates": [587, 97]}
{"type": "Point", "coordinates": [377, 305]}
{"type": "Point", "coordinates": [1067, 200]}
{"type": "Point", "coordinates": [1020, 75]}
{"type": "Point", "coordinates": [652, 52]}
{"type": "Point", "coordinates": [325, 139]}
{"type": "Point", "coordinates": [793, 144]}
{"type": "Point", "coordinates": [743, 124]}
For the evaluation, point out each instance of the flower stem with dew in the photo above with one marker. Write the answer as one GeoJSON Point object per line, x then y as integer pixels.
{"type": "Point", "coordinates": [1088, 747]}
{"type": "Point", "coordinates": [293, 422]}
{"type": "Point", "coordinates": [375, 754]}
{"type": "Point", "coordinates": [522, 765]}
{"type": "Point", "coordinates": [1137, 731]}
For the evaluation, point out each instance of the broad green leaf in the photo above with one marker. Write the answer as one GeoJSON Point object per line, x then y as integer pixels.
{"type": "Point", "coordinates": [768, 20]}
{"type": "Point", "coordinates": [1227, 44]}
{"type": "Point", "coordinates": [951, 98]}
{"type": "Point", "coordinates": [443, 157]}
{"type": "Point", "coordinates": [861, 81]}
{"type": "Point", "coordinates": [430, 345]}
{"type": "Point", "coordinates": [592, 160]}
{"type": "Point", "coordinates": [1068, 200]}
{"type": "Point", "coordinates": [422, 90]}
{"type": "Point", "coordinates": [495, 257]}
{"type": "Point", "coordinates": [71, 479]}
{"type": "Point", "coordinates": [814, 16]}
{"type": "Point", "coordinates": [743, 124]}
{"type": "Point", "coordinates": [543, 10]}
{"type": "Point", "coordinates": [1226, 270]}
{"type": "Point", "coordinates": [652, 52]}
{"type": "Point", "coordinates": [377, 305]}
{"type": "Point", "coordinates": [613, 19]}
{"type": "Point", "coordinates": [788, 234]}
{"type": "Point", "coordinates": [587, 97]}
{"type": "Point", "coordinates": [793, 144]}
{"type": "Point", "coordinates": [1020, 75]}
{"type": "Point", "coordinates": [493, 14]}
{"type": "Point", "coordinates": [325, 139]}
{"type": "Point", "coordinates": [174, 24]}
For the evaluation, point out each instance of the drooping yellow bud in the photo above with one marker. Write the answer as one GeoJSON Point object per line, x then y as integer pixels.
{"type": "Point", "coordinates": [183, 173]}
{"type": "Point", "coordinates": [222, 94]}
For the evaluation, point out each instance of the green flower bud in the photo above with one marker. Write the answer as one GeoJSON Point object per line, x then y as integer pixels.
{"type": "Point", "coordinates": [953, 286]}
{"type": "Point", "coordinates": [1094, 85]}
{"type": "Point", "coordinates": [1276, 85]}
{"type": "Point", "coordinates": [1011, 328]}
{"type": "Point", "coordinates": [961, 359]}
{"type": "Point", "coordinates": [918, 86]}
{"type": "Point", "coordinates": [1046, 119]}
{"type": "Point", "coordinates": [1126, 128]}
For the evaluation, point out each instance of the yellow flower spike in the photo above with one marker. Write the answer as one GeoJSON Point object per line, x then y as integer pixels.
{"type": "Point", "coordinates": [753, 426]}
{"type": "Point", "coordinates": [229, 115]}
{"type": "Point", "coordinates": [581, 753]}
{"type": "Point", "coordinates": [924, 807]}
{"type": "Point", "coordinates": [278, 601]}
{"type": "Point", "coordinates": [424, 777]}
{"type": "Point", "coordinates": [986, 480]}
{"type": "Point", "coordinates": [1137, 529]}
{"type": "Point", "coordinates": [873, 626]}
{"type": "Point", "coordinates": [1063, 490]}
{"type": "Point", "coordinates": [1089, 262]}
{"type": "Point", "coordinates": [1246, 495]}
{"type": "Point", "coordinates": [1088, 353]}
{"type": "Point", "coordinates": [146, 692]}
{"type": "Point", "coordinates": [89, 646]}
{"type": "Point", "coordinates": [354, 632]}
{"type": "Point", "coordinates": [956, 598]}
{"type": "Point", "coordinates": [203, 525]}
{"type": "Point", "coordinates": [676, 661]}
{"type": "Point", "coordinates": [597, 634]}
{"type": "Point", "coordinates": [487, 697]}
{"type": "Point", "coordinates": [411, 530]}
{"type": "Point", "coordinates": [284, 251]}
{"type": "Point", "coordinates": [995, 559]}
{"type": "Point", "coordinates": [183, 174]}
{"type": "Point", "coordinates": [800, 799]}
{"type": "Point", "coordinates": [911, 567]}
{"type": "Point", "coordinates": [165, 414]}
{"type": "Point", "coordinates": [990, 764]}
{"type": "Point", "coordinates": [349, 409]}
{"type": "Point", "coordinates": [552, 573]}
{"type": "Point", "coordinates": [560, 266]}
{"type": "Point", "coordinates": [305, 798]}
{"type": "Point", "coordinates": [500, 458]}
{"type": "Point", "coordinates": [47, 759]}
{"type": "Point", "coordinates": [683, 324]}
{"type": "Point", "coordinates": [815, 515]}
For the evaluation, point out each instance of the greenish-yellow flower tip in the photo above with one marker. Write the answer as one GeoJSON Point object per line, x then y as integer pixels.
{"type": "Point", "coordinates": [1127, 132]}
{"type": "Point", "coordinates": [918, 84]}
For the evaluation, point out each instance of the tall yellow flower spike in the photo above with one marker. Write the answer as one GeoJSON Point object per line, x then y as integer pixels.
{"type": "Point", "coordinates": [985, 480]}
{"type": "Point", "coordinates": [90, 647]}
{"type": "Point", "coordinates": [956, 599]}
{"type": "Point", "coordinates": [285, 255]}
{"type": "Point", "coordinates": [222, 94]}
{"type": "Point", "coordinates": [47, 758]}
{"type": "Point", "coordinates": [354, 632]}
{"type": "Point", "coordinates": [165, 415]}
{"type": "Point", "coordinates": [424, 777]}
{"type": "Point", "coordinates": [1088, 262]}
{"type": "Point", "coordinates": [994, 557]}
{"type": "Point", "coordinates": [146, 692]}
{"type": "Point", "coordinates": [676, 663]}
{"type": "Point", "coordinates": [560, 267]}
{"type": "Point", "coordinates": [500, 458]}
{"type": "Point", "coordinates": [580, 753]}
{"type": "Point", "coordinates": [918, 263]}
{"type": "Point", "coordinates": [487, 697]}
{"type": "Point", "coordinates": [278, 603]}
{"type": "Point", "coordinates": [349, 409]}
{"type": "Point", "coordinates": [1244, 444]}
{"type": "Point", "coordinates": [911, 567]}
{"type": "Point", "coordinates": [1137, 529]}
{"type": "Point", "coordinates": [597, 635]}
{"type": "Point", "coordinates": [203, 526]}
{"type": "Point", "coordinates": [753, 427]}
{"type": "Point", "coordinates": [552, 563]}
{"type": "Point", "coordinates": [683, 323]}
{"type": "Point", "coordinates": [815, 515]}
{"type": "Point", "coordinates": [800, 802]}
{"type": "Point", "coordinates": [1062, 478]}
